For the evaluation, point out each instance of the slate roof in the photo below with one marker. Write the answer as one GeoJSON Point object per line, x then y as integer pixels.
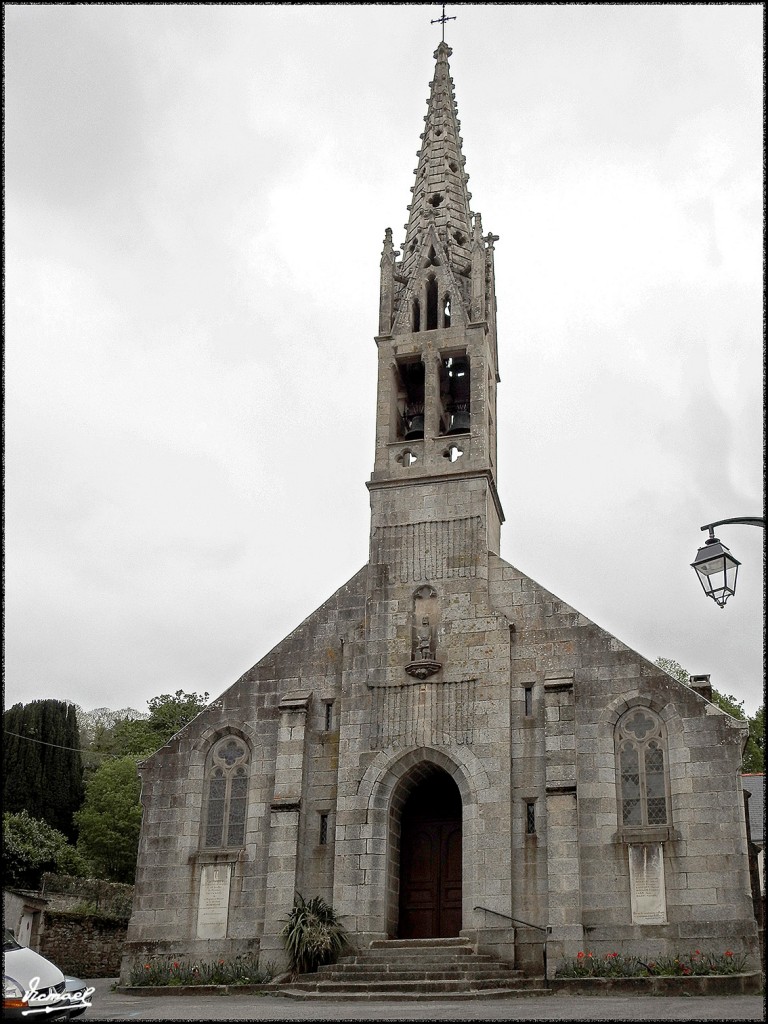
{"type": "Point", "coordinates": [755, 785]}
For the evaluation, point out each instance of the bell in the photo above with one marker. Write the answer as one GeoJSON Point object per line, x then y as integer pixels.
{"type": "Point", "coordinates": [460, 422]}
{"type": "Point", "coordinates": [415, 427]}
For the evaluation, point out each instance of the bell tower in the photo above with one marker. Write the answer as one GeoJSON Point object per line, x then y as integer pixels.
{"type": "Point", "coordinates": [437, 354]}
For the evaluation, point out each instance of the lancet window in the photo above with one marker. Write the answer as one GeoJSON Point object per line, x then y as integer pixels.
{"type": "Point", "coordinates": [641, 754]}
{"type": "Point", "coordinates": [226, 787]}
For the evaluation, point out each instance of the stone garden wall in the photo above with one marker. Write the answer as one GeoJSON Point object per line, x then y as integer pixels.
{"type": "Point", "coordinates": [87, 946]}
{"type": "Point", "coordinates": [84, 924]}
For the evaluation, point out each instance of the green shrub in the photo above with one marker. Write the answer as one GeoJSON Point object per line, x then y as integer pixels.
{"type": "Point", "coordinates": [313, 934]}
{"type": "Point", "coordinates": [621, 965]}
{"type": "Point", "coordinates": [242, 970]}
{"type": "Point", "coordinates": [31, 847]}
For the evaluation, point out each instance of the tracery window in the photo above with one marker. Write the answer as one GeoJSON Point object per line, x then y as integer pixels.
{"type": "Point", "coordinates": [642, 767]}
{"type": "Point", "coordinates": [226, 793]}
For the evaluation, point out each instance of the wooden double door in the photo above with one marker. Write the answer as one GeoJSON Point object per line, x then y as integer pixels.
{"type": "Point", "coordinates": [430, 861]}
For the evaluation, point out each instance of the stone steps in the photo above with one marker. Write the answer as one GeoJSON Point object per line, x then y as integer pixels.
{"type": "Point", "coordinates": [403, 969]}
{"type": "Point", "coordinates": [405, 993]}
{"type": "Point", "coordinates": [382, 957]}
{"type": "Point", "coordinates": [363, 972]}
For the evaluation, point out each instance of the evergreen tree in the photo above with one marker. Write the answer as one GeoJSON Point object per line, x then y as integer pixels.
{"type": "Point", "coordinates": [42, 764]}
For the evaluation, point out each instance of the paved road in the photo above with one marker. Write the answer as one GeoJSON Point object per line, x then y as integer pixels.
{"type": "Point", "coordinates": [109, 1005]}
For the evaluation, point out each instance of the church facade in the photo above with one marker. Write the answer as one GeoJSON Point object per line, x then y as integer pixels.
{"type": "Point", "coordinates": [444, 747]}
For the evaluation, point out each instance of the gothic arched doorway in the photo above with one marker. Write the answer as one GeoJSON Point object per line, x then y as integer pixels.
{"type": "Point", "coordinates": [430, 860]}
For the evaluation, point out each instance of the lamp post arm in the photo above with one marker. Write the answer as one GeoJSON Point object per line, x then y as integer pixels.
{"type": "Point", "coordinates": [745, 521]}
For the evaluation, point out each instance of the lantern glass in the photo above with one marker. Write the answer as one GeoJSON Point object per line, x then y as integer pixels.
{"type": "Point", "coordinates": [717, 570]}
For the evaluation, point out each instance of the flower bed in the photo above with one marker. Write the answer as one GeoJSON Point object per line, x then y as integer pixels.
{"type": "Point", "coordinates": [165, 972]}
{"type": "Point", "coordinates": [693, 985]}
{"type": "Point", "coordinates": [696, 973]}
{"type": "Point", "coordinates": [622, 965]}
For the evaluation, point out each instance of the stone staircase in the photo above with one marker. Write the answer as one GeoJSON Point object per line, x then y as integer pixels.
{"type": "Point", "coordinates": [403, 969]}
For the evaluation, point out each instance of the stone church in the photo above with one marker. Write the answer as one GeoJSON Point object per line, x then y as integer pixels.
{"type": "Point", "coordinates": [444, 747]}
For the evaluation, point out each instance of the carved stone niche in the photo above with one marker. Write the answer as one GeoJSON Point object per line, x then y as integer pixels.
{"type": "Point", "coordinates": [425, 614]}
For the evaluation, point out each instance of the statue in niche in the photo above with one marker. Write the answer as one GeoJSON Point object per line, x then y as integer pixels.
{"type": "Point", "coordinates": [425, 640]}
{"type": "Point", "coordinates": [425, 615]}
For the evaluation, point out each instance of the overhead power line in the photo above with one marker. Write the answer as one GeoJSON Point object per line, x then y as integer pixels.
{"type": "Point", "coordinates": [44, 743]}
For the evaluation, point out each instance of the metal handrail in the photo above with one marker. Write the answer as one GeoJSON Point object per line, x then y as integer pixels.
{"type": "Point", "coordinates": [538, 927]}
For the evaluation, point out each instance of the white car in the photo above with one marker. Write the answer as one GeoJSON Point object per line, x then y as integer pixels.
{"type": "Point", "coordinates": [33, 988]}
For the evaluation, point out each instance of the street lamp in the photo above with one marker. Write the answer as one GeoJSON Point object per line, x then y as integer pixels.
{"type": "Point", "coordinates": [715, 566]}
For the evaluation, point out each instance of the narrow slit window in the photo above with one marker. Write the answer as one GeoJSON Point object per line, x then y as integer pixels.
{"type": "Point", "coordinates": [530, 818]}
{"type": "Point", "coordinates": [323, 829]}
{"type": "Point", "coordinates": [528, 701]}
{"type": "Point", "coordinates": [328, 715]}
{"type": "Point", "coordinates": [432, 304]}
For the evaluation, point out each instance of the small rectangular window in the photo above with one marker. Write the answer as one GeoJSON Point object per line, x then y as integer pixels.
{"type": "Point", "coordinates": [323, 829]}
{"type": "Point", "coordinates": [530, 817]}
{"type": "Point", "coordinates": [328, 715]}
{"type": "Point", "coordinates": [528, 701]}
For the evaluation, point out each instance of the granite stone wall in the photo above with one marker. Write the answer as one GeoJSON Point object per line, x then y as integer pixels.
{"type": "Point", "coordinates": [85, 946]}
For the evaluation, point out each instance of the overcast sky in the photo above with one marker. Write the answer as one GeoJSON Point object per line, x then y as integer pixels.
{"type": "Point", "coordinates": [196, 198]}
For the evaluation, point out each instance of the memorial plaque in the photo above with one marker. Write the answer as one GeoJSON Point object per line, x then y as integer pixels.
{"type": "Point", "coordinates": [646, 884]}
{"type": "Point", "coordinates": [213, 906]}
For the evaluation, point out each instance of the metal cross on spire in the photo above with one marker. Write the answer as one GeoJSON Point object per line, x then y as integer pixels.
{"type": "Point", "coordinates": [442, 20]}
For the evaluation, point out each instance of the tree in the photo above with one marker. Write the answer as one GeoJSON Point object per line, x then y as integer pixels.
{"type": "Point", "coordinates": [754, 752]}
{"type": "Point", "coordinates": [95, 724]}
{"type": "Point", "coordinates": [31, 846]}
{"type": "Point", "coordinates": [170, 713]}
{"type": "Point", "coordinates": [42, 764]}
{"type": "Point", "coordinates": [674, 668]}
{"type": "Point", "coordinates": [110, 818]}
{"type": "Point", "coordinates": [109, 821]}
{"type": "Point", "coordinates": [119, 733]}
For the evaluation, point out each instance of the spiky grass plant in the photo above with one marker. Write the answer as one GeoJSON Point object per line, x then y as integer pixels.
{"type": "Point", "coordinates": [313, 934]}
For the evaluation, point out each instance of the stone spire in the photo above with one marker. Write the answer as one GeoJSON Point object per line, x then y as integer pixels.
{"type": "Point", "coordinates": [440, 196]}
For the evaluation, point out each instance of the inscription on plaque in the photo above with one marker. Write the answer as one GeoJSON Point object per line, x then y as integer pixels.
{"type": "Point", "coordinates": [646, 884]}
{"type": "Point", "coordinates": [213, 906]}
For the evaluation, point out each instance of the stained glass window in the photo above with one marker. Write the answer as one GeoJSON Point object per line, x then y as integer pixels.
{"type": "Point", "coordinates": [227, 793]}
{"type": "Point", "coordinates": [640, 749]}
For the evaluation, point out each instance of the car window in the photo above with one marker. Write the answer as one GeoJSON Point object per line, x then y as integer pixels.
{"type": "Point", "coordinates": [9, 941]}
